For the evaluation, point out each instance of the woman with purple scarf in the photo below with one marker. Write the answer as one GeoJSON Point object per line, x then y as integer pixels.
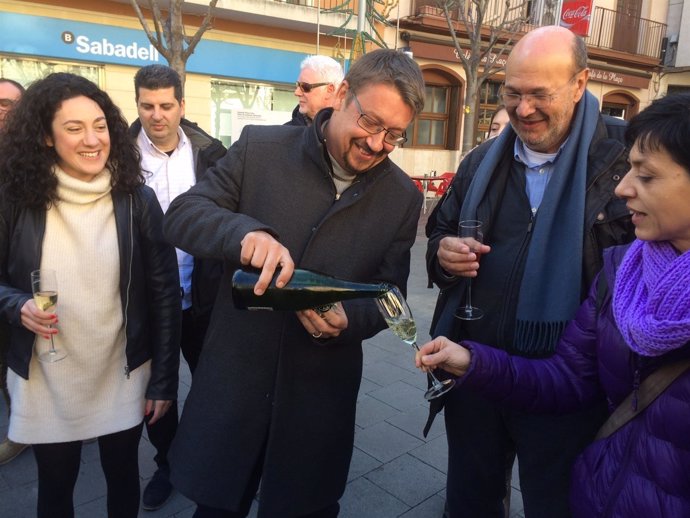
{"type": "Point", "coordinates": [635, 322]}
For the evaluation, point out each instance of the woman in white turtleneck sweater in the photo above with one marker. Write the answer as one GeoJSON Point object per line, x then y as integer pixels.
{"type": "Point", "coordinates": [73, 201]}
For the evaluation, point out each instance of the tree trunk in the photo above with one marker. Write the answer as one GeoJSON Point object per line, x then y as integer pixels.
{"type": "Point", "coordinates": [177, 63]}
{"type": "Point", "coordinates": [469, 113]}
{"type": "Point", "coordinates": [169, 36]}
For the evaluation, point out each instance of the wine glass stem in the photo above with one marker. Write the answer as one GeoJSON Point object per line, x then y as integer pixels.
{"type": "Point", "coordinates": [436, 381]}
{"type": "Point", "coordinates": [52, 342]}
{"type": "Point", "coordinates": [468, 299]}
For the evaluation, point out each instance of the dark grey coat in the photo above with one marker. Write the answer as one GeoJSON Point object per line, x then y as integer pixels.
{"type": "Point", "coordinates": [263, 381]}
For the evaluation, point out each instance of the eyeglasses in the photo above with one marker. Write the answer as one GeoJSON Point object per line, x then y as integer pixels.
{"type": "Point", "coordinates": [308, 87]}
{"type": "Point", "coordinates": [369, 125]}
{"type": "Point", "coordinates": [538, 101]}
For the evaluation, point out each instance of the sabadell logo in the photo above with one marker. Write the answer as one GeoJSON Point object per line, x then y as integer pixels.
{"type": "Point", "coordinates": [104, 47]}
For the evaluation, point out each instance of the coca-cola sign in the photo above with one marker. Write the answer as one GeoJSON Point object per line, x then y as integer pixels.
{"type": "Point", "coordinates": [575, 15]}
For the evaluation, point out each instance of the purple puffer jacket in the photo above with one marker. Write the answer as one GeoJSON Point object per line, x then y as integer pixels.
{"type": "Point", "coordinates": [643, 469]}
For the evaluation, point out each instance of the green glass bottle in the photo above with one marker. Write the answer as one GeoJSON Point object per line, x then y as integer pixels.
{"type": "Point", "coordinates": [305, 290]}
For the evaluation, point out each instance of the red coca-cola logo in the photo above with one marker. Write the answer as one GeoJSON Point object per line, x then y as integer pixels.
{"type": "Point", "coordinates": [573, 15]}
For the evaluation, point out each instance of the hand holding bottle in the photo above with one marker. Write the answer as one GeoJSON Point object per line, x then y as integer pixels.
{"type": "Point", "coordinates": [262, 251]}
{"type": "Point", "coordinates": [324, 324]}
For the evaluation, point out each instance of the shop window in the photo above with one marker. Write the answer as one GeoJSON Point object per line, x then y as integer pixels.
{"type": "Point", "coordinates": [235, 104]}
{"type": "Point", "coordinates": [488, 103]}
{"type": "Point", "coordinates": [620, 104]}
{"type": "Point", "coordinates": [677, 89]}
{"type": "Point", "coordinates": [436, 127]}
{"type": "Point", "coordinates": [614, 110]}
{"type": "Point", "coordinates": [28, 70]}
{"type": "Point", "coordinates": [431, 124]}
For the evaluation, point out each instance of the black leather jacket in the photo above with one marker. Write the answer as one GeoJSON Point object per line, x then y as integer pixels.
{"type": "Point", "coordinates": [149, 286]}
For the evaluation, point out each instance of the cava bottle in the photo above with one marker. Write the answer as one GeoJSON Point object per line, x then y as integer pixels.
{"type": "Point", "coordinates": [305, 290]}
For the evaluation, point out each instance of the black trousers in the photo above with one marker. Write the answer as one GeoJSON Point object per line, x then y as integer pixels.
{"type": "Point", "coordinates": [480, 435]}
{"type": "Point", "coordinates": [162, 433]}
{"type": "Point", "coordinates": [58, 468]}
{"type": "Point", "coordinates": [203, 511]}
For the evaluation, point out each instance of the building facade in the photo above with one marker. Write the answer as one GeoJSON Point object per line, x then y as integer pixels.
{"type": "Point", "coordinates": [242, 71]}
{"type": "Point", "coordinates": [244, 68]}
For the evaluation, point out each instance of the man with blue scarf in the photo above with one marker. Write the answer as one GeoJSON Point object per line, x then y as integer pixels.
{"type": "Point", "coordinates": [544, 190]}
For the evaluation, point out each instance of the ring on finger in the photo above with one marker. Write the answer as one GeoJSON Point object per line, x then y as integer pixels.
{"type": "Point", "coordinates": [321, 310]}
{"type": "Point", "coordinates": [317, 335]}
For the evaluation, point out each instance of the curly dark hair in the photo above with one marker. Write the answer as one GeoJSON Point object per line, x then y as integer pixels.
{"type": "Point", "coordinates": [26, 160]}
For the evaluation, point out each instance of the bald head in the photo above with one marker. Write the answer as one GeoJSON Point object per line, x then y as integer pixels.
{"type": "Point", "coordinates": [550, 42]}
{"type": "Point", "coordinates": [546, 73]}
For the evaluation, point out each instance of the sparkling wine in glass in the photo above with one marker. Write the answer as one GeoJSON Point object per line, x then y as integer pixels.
{"type": "Point", "coordinates": [44, 287]}
{"type": "Point", "coordinates": [470, 229]}
{"type": "Point", "coordinates": [398, 316]}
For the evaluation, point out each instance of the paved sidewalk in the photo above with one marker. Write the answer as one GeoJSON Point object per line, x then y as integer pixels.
{"type": "Point", "coordinates": [395, 472]}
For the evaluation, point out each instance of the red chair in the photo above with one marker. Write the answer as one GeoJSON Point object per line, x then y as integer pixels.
{"type": "Point", "coordinates": [444, 184]}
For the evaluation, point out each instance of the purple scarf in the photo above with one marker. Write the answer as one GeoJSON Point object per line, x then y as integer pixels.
{"type": "Point", "coordinates": [651, 298]}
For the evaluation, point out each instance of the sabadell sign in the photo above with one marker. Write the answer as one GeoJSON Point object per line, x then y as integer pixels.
{"type": "Point", "coordinates": [54, 37]}
{"type": "Point", "coordinates": [45, 37]}
{"type": "Point", "coordinates": [105, 47]}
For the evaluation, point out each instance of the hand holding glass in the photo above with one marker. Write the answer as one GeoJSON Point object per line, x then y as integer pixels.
{"type": "Point", "coordinates": [398, 316]}
{"type": "Point", "coordinates": [471, 229]}
{"type": "Point", "coordinates": [44, 287]}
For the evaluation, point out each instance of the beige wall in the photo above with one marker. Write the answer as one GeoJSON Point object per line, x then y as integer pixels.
{"type": "Point", "coordinates": [117, 80]}
{"type": "Point", "coordinates": [683, 54]}
{"type": "Point", "coordinates": [680, 78]}
{"type": "Point", "coordinates": [120, 87]}
{"type": "Point", "coordinates": [655, 10]}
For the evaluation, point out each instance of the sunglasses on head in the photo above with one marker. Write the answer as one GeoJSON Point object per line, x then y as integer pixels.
{"type": "Point", "coordinates": [308, 87]}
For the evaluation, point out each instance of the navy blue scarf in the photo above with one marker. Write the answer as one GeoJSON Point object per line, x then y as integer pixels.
{"type": "Point", "coordinates": [551, 284]}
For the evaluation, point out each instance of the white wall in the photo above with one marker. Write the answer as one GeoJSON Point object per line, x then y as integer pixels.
{"type": "Point", "coordinates": [683, 53]}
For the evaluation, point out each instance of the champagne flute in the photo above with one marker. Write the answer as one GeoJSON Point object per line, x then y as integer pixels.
{"type": "Point", "coordinates": [472, 229]}
{"type": "Point", "coordinates": [398, 316]}
{"type": "Point", "coordinates": [44, 287]}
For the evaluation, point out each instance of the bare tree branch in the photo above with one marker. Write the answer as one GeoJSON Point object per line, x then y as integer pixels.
{"type": "Point", "coordinates": [157, 18]}
{"type": "Point", "coordinates": [205, 25]}
{"type": "Point", "coordinates": [490, 29]}
{"type": "Point", "coordinates": [170, 38]}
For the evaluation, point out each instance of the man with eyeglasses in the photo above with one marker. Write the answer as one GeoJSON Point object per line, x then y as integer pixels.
{"type": "Point", "coordinates": [274, 395]}
{"type": "Point", "coordinates": [544, 189]}
{"type": "Point", "coordinates": [10, 93]}
{"type": "Point", "coordinates": [315, 88]}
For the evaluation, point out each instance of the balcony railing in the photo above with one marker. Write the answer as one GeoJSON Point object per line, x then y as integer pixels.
{"type": "Point", "coordinates": [608, 29]}
{"type": "Point", "coordinates": [617, 30]}
{"type": "Point", "coordinates": [323, 4]}
{"type": "Point", "coordinates": [493, 12]}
